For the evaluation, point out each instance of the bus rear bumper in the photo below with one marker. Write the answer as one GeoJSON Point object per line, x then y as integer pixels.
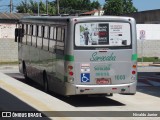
{"type": "Point", "coordinates": [128, 89]}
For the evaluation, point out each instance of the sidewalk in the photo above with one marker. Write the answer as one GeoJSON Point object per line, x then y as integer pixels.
{"type": "Point", "coordinates": [144, 64]}
{"type": "Point", "coordinates": [9, 68]}
{"type": "Point", "coordinates": [6, 66]}
{"type": "Point", "coordinates": [140, 64]}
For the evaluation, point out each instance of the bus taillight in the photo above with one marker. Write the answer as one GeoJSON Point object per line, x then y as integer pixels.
{"type": "Point", "coordinates": [71, 73]}
{"type": "Point", "coordinates": [133, 72]}
{"type": "Point", "coordinates": [70, 67]}
{"type": "Point", "coordinates": [70, 70]}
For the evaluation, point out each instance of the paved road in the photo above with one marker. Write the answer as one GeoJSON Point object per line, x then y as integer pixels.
{"type": "Point", "coordinates": [29, 98]}
{"type": "Point", "coordinates": [149, 80]}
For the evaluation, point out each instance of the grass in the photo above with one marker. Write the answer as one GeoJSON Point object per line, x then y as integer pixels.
{"type": "Point", "coordinates": [9, 63]}
{"type": "Point", "coordinates": [149, 59]}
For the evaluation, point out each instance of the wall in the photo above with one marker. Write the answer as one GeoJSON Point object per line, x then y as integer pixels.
{"type": "Point", "coordinates": [149, 16]}
{"type": "Point", "coordinates": [8, 48]}
{"type": "Point", "coordinates": [99, 13]}
{"type": "Point", "coordinates": [149, 45]}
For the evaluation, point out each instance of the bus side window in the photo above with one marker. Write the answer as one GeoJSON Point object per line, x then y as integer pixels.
{"type": "Point", "coordinates": [34, 38]}
{"type": "Point", "coordinates": [55, 33]}
{"type": "Point", "coordinates": [59, 33]}
{"type": "Point", "coordinates": [29, 33]}
{"type": "Point", "coordinates": [39, 37]}
{"type": "Point", "coordinates": [60, 41]}
{"type": "Point", "coordinates": [51, 32]}
{"type": "Point", "coordinates": [52, 41]}
{"type": "Point", "coordinates": [45, 38]}
{"type": "Point", "coordinates": [24, 38]}
{"type": "Point", "coordinates": [63, 34]}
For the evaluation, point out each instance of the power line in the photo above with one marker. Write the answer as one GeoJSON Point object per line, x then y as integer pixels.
{"type": "Point", "coordinates": [11, 6]}
{"type": "Point", "coordinates": [3, 5]}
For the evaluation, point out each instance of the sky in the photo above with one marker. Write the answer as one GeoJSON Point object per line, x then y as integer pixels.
{"type": "Point", "coordinates": [141, 5]}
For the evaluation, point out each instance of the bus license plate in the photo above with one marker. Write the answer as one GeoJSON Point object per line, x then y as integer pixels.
{"type": "Point", "coordinates": [103, 80]}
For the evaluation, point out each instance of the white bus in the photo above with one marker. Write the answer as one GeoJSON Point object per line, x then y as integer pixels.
{"type": "Point", "coordinates": [79, 55]}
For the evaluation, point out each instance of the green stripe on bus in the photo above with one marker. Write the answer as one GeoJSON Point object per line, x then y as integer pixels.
{"type": "Point", "coordinates": [69, 57]}
{"type": "Point", "coordinates": [134, 57]}
{"type": "Point", "coordinates": [65, 78]}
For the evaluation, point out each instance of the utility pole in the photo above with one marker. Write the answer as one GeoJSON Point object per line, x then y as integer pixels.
{"type": "Point", "coordinates": [26, 6]}
{"type": "Point", "coordinates": [11, 6]}
{"type": "Point", "coordinates": [47, 7]}
{"type": "Point", "coordinates": [58, 7]}
{"type": "Point", "coordinates": [38, 8]}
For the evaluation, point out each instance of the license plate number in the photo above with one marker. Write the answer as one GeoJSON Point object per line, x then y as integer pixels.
{"type": "Point", "coordinates": [103, 80]}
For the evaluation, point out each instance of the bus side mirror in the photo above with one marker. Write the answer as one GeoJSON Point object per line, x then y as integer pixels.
{"type": "Point", "coordinates": [16, 34]}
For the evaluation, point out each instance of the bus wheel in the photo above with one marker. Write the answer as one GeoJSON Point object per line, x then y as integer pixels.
{"type": "Point", "coordinates": [25, 73]}
{"type": "Point", "coordinates": [45, 83]}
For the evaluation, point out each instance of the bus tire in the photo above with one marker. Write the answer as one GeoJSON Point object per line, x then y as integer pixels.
{"type": "Point", "coordinates": [128, 93]}
{"type": "Point", "coordinates": [45, 82]}
{"type": "Point", "coordinates": [25, 72]}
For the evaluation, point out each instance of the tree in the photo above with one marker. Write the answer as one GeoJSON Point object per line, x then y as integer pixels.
{"type": "Point", "coordinates": [95, 4]}
{"type": "Point", "coordinates": [23, 7]}
{"type": "Point", "coordinates": [32, 7]}
{"type": "Point", "coordinates": [66, 6]}
{"type": "Point", "coordinates": [128, 7]}
{"type": "Point", "coordinates": [118, 7]}
{"type": "Point", "coordinates": [77, 6]}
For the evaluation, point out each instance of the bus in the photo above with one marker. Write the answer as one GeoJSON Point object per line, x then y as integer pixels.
{"type": "Point", "coordinates": [77, 55]}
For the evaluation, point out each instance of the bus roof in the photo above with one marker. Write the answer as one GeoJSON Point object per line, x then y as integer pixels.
{"type": "Point", "coordinates": [69, 18]}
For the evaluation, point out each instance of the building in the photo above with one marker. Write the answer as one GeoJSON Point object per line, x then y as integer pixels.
{"type": "Point", "coordinates": [93, 13]}
{"type": "Point", "coordinates": [8, 48]}
{"type": "Point", "coordinates": [146, 17]}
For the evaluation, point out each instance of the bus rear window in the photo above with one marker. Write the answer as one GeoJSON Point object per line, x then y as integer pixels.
{"type": "Point", "coordinates": [102, 34]}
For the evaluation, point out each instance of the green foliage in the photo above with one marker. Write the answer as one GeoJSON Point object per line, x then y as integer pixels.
{"type": "Point", "coordinates": [82, 29]}
{"type": "Point", "coordinates": [77, 6]}
{"type": "Point", "coordinates": [23, 7]}
{"type": "Point", "coordinates": [66, 6]}
{"type": "Point", "coordinates": [32, 7]}
{"type": "Point", "coordinates": [95, 4]}
{"type": "Point", "coordinates": [119, 7]}
{"type": "Point", "coordinates": [149, 59]}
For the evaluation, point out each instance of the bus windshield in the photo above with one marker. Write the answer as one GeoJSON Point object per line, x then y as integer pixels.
{"type": "Point", "coordinates": [111, 34]}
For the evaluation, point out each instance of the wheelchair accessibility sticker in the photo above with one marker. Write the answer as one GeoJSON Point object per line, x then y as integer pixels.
{"type": "Point", "coordinates": [85, 77]}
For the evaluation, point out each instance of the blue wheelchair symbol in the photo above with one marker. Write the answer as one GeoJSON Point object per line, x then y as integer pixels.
{"type": "Point", "coordinates": [85, 77]}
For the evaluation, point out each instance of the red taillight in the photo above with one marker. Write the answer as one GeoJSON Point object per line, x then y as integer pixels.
{"type": "Point", "coordinates": [70, 70]}
{"type": "Point", "coordinates": [71, 73]}
{"type": "Point", "coordinates": [70, 67]}
{"type": "Point", "coordinates": [133, 72]}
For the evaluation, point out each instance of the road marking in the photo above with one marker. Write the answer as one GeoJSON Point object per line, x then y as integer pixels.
{"type": "Point", "coordinates": [40, 106]}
